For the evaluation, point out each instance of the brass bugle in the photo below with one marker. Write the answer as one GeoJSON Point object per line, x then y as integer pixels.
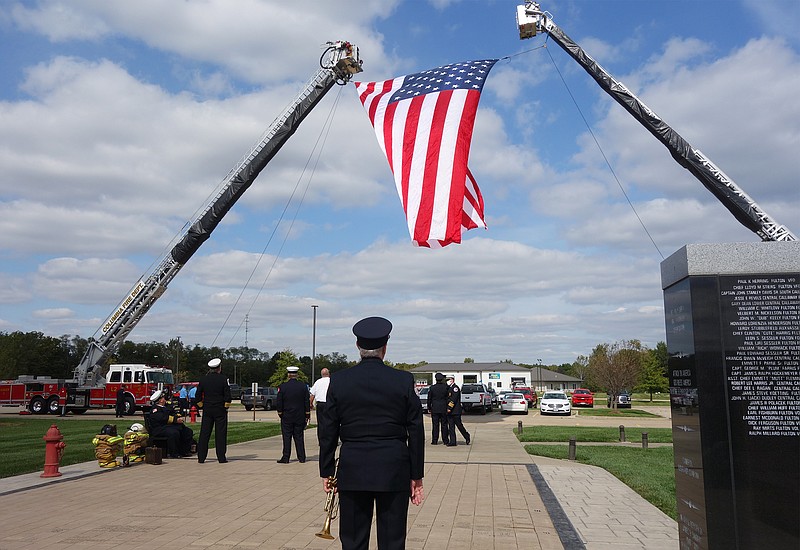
{"type": "Point", "coordinates": [331, 511]}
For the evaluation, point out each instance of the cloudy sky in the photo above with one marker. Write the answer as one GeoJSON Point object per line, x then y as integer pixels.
{"type": "Point", "coordinates": [119, 119]}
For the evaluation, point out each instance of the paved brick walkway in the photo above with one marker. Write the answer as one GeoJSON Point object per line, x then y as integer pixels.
{"type": "Point", "coordinates": [489, 495]}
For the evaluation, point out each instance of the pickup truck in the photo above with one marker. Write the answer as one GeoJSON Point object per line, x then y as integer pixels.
{"type": "Point", "coordinates": [476, 397]}
{"type": "Point", "coordinates": [266, 399]}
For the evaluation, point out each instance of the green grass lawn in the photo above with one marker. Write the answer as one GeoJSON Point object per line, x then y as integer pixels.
{"type": "Point", "coordinates": [621, 413]}
{"type": "Point", "coordinates": [556, 434]}
{"type": "Point", "coordinates": [23, 446]}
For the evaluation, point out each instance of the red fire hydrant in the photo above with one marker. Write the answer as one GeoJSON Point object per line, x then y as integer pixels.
{"type": "Point", "coordinates": [54, 448]}
{"type": "Point", "coordinates": [193, 414]}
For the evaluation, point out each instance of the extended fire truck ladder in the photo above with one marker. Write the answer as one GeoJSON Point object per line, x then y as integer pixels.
{"type": "Point", "coordinates": [531, 20]}
{"type": "Point", "coordinates": [338, 63]}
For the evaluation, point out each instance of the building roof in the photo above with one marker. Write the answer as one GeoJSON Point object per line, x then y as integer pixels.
{"type": "Point", "coordinates": [546, 375]}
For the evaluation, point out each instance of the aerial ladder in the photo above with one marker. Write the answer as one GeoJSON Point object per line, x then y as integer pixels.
{"type": "Point", "coordinates": [338, 63]}
{"type": "Point", "coordinates": [531, 20]}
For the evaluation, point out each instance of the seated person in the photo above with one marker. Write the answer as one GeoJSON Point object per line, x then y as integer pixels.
{"type": "Point", "coordinates": [165, 422]}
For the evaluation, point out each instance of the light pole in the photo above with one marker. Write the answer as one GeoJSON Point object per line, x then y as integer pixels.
{"type": "Point", "coordinates": [177, 357]}
{"type": "Point", "coordinates": [540, 374]}
{"type": "Point", "coordinates": [313, 342]}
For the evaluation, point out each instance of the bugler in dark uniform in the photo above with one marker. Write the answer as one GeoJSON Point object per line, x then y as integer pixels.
{"type": "Point", "coordinates": [214, 398]}
{"type": "Point", "coordinates": [377, 414]}
{"type": "Point", "coordinates": [294, 408]}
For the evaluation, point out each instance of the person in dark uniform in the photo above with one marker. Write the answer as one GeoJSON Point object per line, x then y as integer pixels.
{"type": "Point", "coordinates": [437, 406]}
{"type": "Point", "coordinates": [294, 408]}
{"type": "Point", "coordinates": [163, 420]}
{"type": "Point", "coordinates": [376, 413]}
{"type": "Point", "coordinates": [120, 405]}
{"type": "Point", "coordinates": [454, 413]}
{"type": "Point", "coordinates": [214, 397]}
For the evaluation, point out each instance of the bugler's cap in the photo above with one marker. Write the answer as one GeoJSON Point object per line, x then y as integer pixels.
{"type": "Point", "coordinates": [451, 377]}
{"type": "Point", "coordinates": [292, 370]}
{"type": "Point", "coordinates": [439, 376]}
{"type": "Point", "coordinates": [372, 332]}
{"type": "Point", "coordinates": [156, 396]}
{"type": "Point", "coordinates": [214, 363]}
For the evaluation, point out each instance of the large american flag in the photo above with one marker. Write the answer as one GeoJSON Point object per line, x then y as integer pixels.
{"type": "Point", "coordinates": [424, 125]}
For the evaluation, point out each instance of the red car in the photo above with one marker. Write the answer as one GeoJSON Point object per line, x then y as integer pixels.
{"type": "Point", "coordinates": [582, 398]}
{"type": "Point", "coordinates": [530, 395]}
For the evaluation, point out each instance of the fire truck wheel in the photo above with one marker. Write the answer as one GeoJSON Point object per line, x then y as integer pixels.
{"type": "Point", "coordinates": [130, 406]}
{"type": "Point", "coordinates": [38, 405]}
{"type": "Point", "coordinates": [52, 405]}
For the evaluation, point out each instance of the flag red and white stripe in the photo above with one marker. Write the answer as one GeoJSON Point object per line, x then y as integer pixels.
{"type": "Point", "coordinates": [424, 124]}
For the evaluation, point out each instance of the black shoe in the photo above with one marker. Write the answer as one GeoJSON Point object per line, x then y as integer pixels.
{"type": "Point", "coordinates": [301, 460]}
{"type": "Point", "coordinates": [434, 442]}
{"type": "Point", "coordinates": [451, 444]}
{"type": "Point", "coordinates": [282, 461]}
{"type": "Point", "coordinates": [468, 440]}
{"type": "Point", "coordinates": [223, 461]}
{"type": "Point", "coordinates": [200, 461]}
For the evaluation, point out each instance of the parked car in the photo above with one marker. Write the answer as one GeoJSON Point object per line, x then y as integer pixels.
{"type": "Point", "coordinates": [583, 398]}
{"type": "Point", "coordinates": [555, 402]}
{"type": "Point", "coordinates": [423, 398]}
{"type": "Point", "coordinates": [623, 400]}
{"type": "Point", "coordinates": [236, 391]}
{"type": "Point", "coordinates": [530, 395]}
{"type": "Point", "coordinates": [513, 402]}
{"type": "Point", "coordinates": [265, 398]}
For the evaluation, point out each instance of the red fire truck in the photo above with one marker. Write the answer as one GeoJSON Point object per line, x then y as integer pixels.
{"type": "Point", "coordinates": [41, 395]}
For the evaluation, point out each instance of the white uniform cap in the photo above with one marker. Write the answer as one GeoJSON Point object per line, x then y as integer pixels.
{"type": "Point", "coordinates": [214, 363]}
{"type": "Point", "coordinates": [156, 396]}
{"type": "Point", "coordinates": [292, 370]}
{"type": "Point", "coordinates": [137, 427]}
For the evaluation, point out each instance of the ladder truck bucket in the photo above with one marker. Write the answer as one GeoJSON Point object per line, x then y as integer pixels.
{"type": "Point", "coordinates": [528, 16]}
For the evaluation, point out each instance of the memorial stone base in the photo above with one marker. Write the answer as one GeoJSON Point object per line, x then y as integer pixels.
{"type": "Point", "coordinates": [733, 334]}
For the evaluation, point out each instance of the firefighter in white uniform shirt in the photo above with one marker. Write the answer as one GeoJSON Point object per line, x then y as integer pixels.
{"type": "Point", "coordinates": [318, 393]}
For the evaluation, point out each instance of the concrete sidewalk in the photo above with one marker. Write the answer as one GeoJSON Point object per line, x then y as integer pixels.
{"type": "Point", "coordinates": [488, 495]}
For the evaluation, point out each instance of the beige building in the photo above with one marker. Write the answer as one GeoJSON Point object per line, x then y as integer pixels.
{"type": "Point", "coordinates": [498, 376]}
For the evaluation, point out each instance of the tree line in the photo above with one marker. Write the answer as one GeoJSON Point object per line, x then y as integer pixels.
{"type": "Point", "coordinates": [35, 354]}
{"type": "Point", "coordinates": [611, 367]}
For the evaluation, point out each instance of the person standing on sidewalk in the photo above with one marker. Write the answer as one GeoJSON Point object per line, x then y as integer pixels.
{"type": "Point", "coordinates": [375, 411]}
{"type": "Point", "coordinates": [214, 397]}
{"type": "Point", "coordinates": [120, 404]}
{"type": "Point", "coordinates": [319, 392]}
{"type": "Point", "coordinates": [438, 397]}
{"type": "Point", "coordinates": [454, 413]}
{"type": "Point", "coordinates": [294, 409]}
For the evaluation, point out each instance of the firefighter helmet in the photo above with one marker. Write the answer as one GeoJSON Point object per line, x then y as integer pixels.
{"type": "Point", "coordinates": [109, 429]}
{"type": "Point", "coordinates": [137, 427]}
